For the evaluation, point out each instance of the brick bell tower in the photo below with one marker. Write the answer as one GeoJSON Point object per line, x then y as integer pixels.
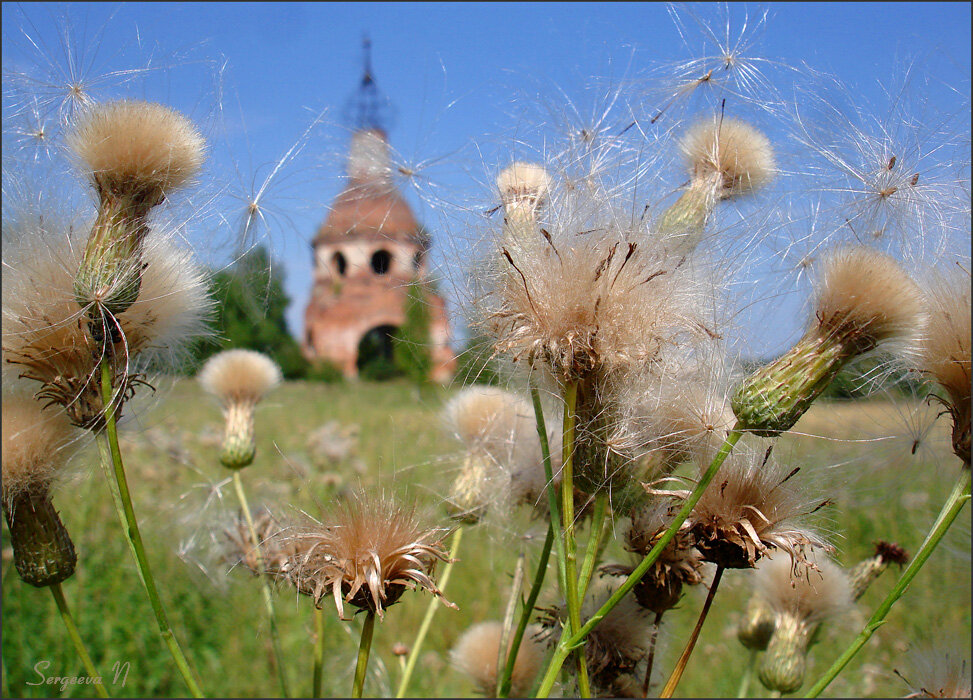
{"type": "Point", "coordinates": [367, 252]}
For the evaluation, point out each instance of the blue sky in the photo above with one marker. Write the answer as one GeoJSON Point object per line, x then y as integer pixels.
{"type": "Point", "coordinates": [453, 71]}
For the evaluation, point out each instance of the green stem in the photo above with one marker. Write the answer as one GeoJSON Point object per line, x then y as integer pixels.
{"type": "Point", "coordinates": [677, 672]}
{"type": "Point", "coordinates": [747, 675]}
{"type": "Point", "coordinates": [503, 687]}
{"type": "Point", "coordinates": [318, 675]}
{"type": "Point", "coordinates": [552, 506]}
{"type": "Point", "coordinates": [363, 650]}
{"type": "Point", "coordinates": [265, 585]}
{"type": "Point", "coordinates": [131, 529]}
{"type": "Point", "coordinates": [434, 605]}
{"type": "Point", "coordinates": [951, 509]}
{"type": "Point", "coordinates": [89, 667]}
{"type": "Point", "coordinates": [564, 648]}
{"type": "Point", "coordinates": [599, 521]}
{"type": "Point", "coordinates": [568, 431]}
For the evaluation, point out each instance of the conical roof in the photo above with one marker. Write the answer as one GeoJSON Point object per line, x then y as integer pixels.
{"type": "Point", "coordinates": [370, 204]}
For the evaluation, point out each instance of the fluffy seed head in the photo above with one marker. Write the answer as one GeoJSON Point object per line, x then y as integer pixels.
{"type": "Point", "coordinates": [752, 507]}
{"type": "Point", "coordinates": [239, 376]}
{"type": "Point", "coordinates": [366, 555]}
{"type": "Point", "coordinates": [945, 351]}
{"type": "Point", "coordinates": [523, 184]}
{"type": "Point", "coordinates": [865, 297]}
{"type": "Point", "coordinates": [810, 594]}
{"type": "Point", "coordinates": [34, 445]}
{"type": "Point", "coordinates": [48, 339]}
{"type": "Point", "coordinates": [729, 153]}
{"type": "Point", "coordinates": [939, 671]}
{"type": "Point", "coordinates": [476, 652]}
{"type": "Point", "coordinates": [137, 149]}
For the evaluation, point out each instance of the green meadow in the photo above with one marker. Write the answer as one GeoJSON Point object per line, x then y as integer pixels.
{"type": "Point", "coordinates": [317, 443]}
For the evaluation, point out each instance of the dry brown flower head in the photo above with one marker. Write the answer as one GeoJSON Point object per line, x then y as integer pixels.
{"type": "Point", "coordinates": [367, 555]}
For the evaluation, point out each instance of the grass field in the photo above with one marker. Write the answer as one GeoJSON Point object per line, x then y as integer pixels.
{"type": "Point", "coordinates": [880, 489]}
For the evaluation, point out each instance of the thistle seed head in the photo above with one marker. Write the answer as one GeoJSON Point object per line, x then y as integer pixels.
{"type": "Point", "coordinates": [945, 352]}
{"type": "Point", "coordinates": [366, 555]}
{"type": "Point", "coordinates": [730, 154]}
{"type": "Point", "coordinates": [476, 652]}
{"type": "Point", "coordinates": [752, 508]}
{"type": "Point", "coordinates": [35, 445]}
{"type": "Point", "coordinates": [137, 150]}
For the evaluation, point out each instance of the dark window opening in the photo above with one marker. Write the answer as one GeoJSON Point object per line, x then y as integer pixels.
{"type": "Point", "coordinates": [375, 354]}
{"type": "Point", "coordinates": [340, 264]}
{"type": "Point", "coordinates": [381, 262]}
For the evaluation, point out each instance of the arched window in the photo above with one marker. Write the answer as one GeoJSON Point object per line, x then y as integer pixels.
{"type": "Point", "coordinates": [381, 262]}
{"type": "Point", "coordinates": [340, 264]}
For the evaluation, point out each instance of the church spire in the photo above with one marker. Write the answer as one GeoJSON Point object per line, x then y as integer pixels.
{"type": "Point", "coordinates": [368, 109]}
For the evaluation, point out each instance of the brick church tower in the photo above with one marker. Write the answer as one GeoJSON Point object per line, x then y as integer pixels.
{"type": "Point", "coordinates": [366, 254]}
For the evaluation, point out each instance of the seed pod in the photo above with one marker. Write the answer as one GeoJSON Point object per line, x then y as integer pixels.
{"type": "Point", "coordinates": [785, 661]}
{"type": "Point", "coordinates": [757, 625]}
{"type": "Point", "coordinates": [43, 552]}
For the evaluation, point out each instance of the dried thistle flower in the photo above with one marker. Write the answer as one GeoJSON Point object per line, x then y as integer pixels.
{"type": "Point", "coordinates": [726, 158]}
{"type": "Point", "coordinates": [945, 352]}
{"type": "Point", "coordinates": [275, 550]}
{"type": "Point", "coordinates": [800, 603]}
{"type": "Point", "coordinates": [866, 571]}
{"type": "Point", "coordinates": [476, 653]}
{"type": "Point", "coordinates": [135, 153]}
{"type": "Point", "coordinates": [752, 509]}
{"type": "Point", "coordinates": [44, 336]}
{"type": "Point", "coordinates": [616, 647]}
{"type": "Point", "coordinates": [239, 379]}
{"type": "Point", "coordinates": [864, 300]}
{"type": "Point", "coordinates": [367, 555]}
{"type": "Point", "coordinates": [35, 443]}
{"type": "Point", "coordinates": [680, 563]}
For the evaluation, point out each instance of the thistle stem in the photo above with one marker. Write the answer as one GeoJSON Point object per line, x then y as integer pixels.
{"type": "Point", "coordinates": [567, 644]}
{"type": "Point", "coordinates": [364, 648]}
{"type": "Point", "coordinates": [89, 667]}
{"type": "Point", "coordinates": [650, 659]}
{"type": "Point", "coordinates": [503, 687]}
{"type": "Point", "coordinates": [134, 537]}
{"type": "Point", "coordinates": [677, 672]}
{"type": "Point", "coordinates": [950, 510]}
{"type": "Point", "coordinates": [567, 520]}
{"type": "Point", "coordinates": [318, 675]}
{"type": "Point", "coordinates": [599, 522]}
{"type": "Point", "coordinates": [747, 675]}
{"type": "Point", "coordinates": [434, 605]}
{"type": "Point", "coordinates": [552, 506]}
{"type": "Point", "coordinates": [265, 585]}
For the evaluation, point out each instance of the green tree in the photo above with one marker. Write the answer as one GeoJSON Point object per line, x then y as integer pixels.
{"type": "Point", "coordinates": [250, 313]}
{"type": "Point", "coordinates": [411, 355]}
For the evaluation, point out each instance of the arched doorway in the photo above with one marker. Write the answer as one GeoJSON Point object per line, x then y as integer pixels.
{"type": "Point", "coordinates": [375, 354]}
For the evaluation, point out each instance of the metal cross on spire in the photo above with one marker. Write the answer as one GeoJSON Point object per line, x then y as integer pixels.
{"type": "Point", "coordinates": [368, 107]}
